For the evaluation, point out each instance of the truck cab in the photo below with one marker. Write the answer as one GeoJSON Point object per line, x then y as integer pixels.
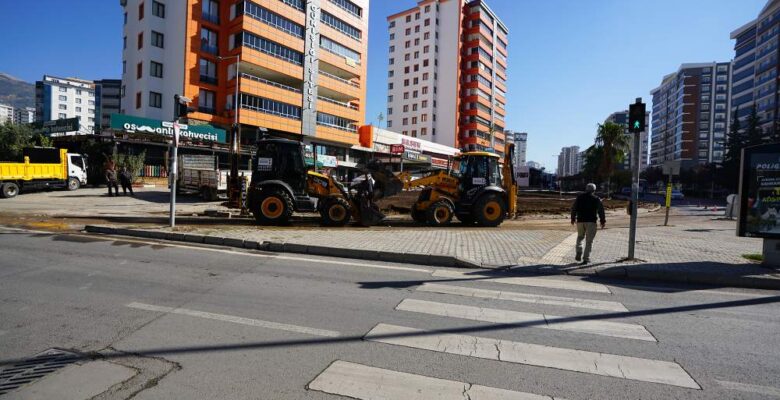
{"type": "Point", "coordinates": [77, 168]}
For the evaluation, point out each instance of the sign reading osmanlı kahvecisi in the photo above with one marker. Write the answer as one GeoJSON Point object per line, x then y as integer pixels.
{"type": "Point", "coordinates": [130, 123]}
{"type": "Point", "coordinates": [60, 126]}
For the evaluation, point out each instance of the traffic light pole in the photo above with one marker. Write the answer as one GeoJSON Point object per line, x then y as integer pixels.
{"type": "Point", "coordinates": [635, 127]}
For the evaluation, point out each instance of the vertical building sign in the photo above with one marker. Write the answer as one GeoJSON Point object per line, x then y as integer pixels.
{"type": "Point", "coordinates": [311, 69]}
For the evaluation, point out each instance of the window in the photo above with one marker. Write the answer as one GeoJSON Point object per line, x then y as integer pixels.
{"type": "Point", "coordinates": [416, 55]}
{"type": "Point", "coordinates": [408, 18]}
{"type": "Point", "coordinates": [424, 118]}
{"type": "Point", "coordinates": [426, 35]}
{"type": "Point", "coordinates": [416, 16]}
{"type": "Point", "coordinates": [277, 21]}
{"type": "Point", "coordinates": [124, 66]}
{"type": "Point", "coordinates": [417, 42]}
{"type": "Point", "coordinates": [140, 40]}
{"type": "Point", "coordinates": [392, 49]}
{"type": "Point", "coordinates": [158, 9]}
{"type": "Point", "coordinates": [414, 94]}
{"type": "Point", "coordinates": [406, 70]}
{"type": "Point", "coordinates": [92, 102]}
{"type": "Point", "coordinates": [156, 69]}
{"type": "Point", "coordinates": [406, 108]}
{"type": "Point", "coordinates": [155, 99]}
{"type": "Point", "coordinates": [349, 7]}
{"type": "Point", "coordinates": [91, 119]}
{"type": "Point", "coordinates": [392, 36]}
{"type": "Point", "coordinates": [425, 76]}
{"type": "Point", "coordinates": [416, 80]}
{"type": "Point", "coordinates": [407, 44]}
{"type": "Point", "coordinates": [427, 8]}
{"type": "Point", "coordinates": [63, 107]}
{"type": "Point", "coordinates": [389, 111]}
{"type": "Point", "coordinates": [425, 63]}
{"type": "Point", "coordinates": [78, 109]}
{"type": "Point", "coordinates": [158, 39]}
{"type": "Point", "coordinates": [417, 29]}
{"type": "Point", "coordinates": [141, 11]}
{"type": "Point", "coordinates": [407, 57]}
{"type": "Point", "coordinates": [208, 71]}
{"type": "Point", "coordinates": [390, 98]}
{"type": "Point", "coordinates": [124, 42]}
{"type": "Point", "coordinates": [414, 107]}
{"type": "Point", "coordinates": [138, 100]}
{"type": "Point", "coordinates": [392, 24]}
{"type": "Point", "coordinates": [416, 67]}
{"type": "Point", "coordinates": [139, 70]}
{"type": "Point", "coordinates": [425, 90]}
{"type": "Point", "coordinates": [392, 61]}
{"type": "Point", "coordinates": [338, 49]}
{"type": "Point", "coordinates": [210, 11]}
{"type": "Point", "coordinates": [406, 82]}
{"type": "Point", "coordinates": [78, 101]}
{"type": "Point", "coordinates": [414, 132]}
{"type": "Point", "coordinates": [208, 41]}
{"type": "Point", "coordinates": [427, 22]}
{"type": "Point", "coordinates": [426, 49]}
{"type": "Point", "coordinates": [390, 86]}
{"type": "Point", "coordinates": [406, 95]}
{"type": "Point", "coordinates": [390, 73]}
{"type": "Point", "coordinates": [405, 121]}
{"type": "Point", "coordinates": [341, 26]}
{"type": "Point", "coordinates": [62, 116]}
{"type": "Point", "coordinates": [389, 123]}
{"type": "Point", "coordinates": [206, 101]}
{"type": "Point", "coordinates": [125, 20]}
{"type": "Point", "coordinates": [424, 104]}
{"type": "Point", "coordinates": [423, 131]}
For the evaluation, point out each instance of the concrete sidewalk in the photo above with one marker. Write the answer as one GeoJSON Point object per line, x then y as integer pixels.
{"type": "Point", "coordinates": [703, 250]}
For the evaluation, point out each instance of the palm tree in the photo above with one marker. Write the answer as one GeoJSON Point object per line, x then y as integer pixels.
{"type": "Point", "coordinates": [614, 143]}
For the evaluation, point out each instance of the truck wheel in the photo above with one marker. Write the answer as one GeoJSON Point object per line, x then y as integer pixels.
{"type": "Point", "coordinates": [273, 208]}
{"type": "Point", "coordinates": [73, 184]}
{"type": "Point", "coordinates": [439, 213]}
{"type": "Point", "coordinates": [335, 212]}
{"type": "Point", "coordinates": [9, 190]}
{"type": "Point", "coordinates": [489, 210]}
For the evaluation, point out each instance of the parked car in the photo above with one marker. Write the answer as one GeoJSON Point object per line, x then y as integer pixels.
{"type": "Point", "coordinates": [677, 194]}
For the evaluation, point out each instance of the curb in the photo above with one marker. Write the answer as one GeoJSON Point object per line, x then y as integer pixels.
{"type": "Point", "coordinates": [407, 258]}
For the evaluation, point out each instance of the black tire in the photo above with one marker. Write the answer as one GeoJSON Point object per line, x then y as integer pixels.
{"type": "Point", "coordinates": [418, 216]}
{"type": "Point", "coordinates": [9, 190]}
{"type": "Point", "coordinates": [73, 184]}
{"type": "Point", "coordinates": [273, 208]}
{"type": "Point", "coordinates": [335, 211]}
{"type": "Point", "coordinates": [439, 213]}
{"type": "Point", "coordinates": [466, 219]}
{"type": "Point", "coordinates": [489, 210]}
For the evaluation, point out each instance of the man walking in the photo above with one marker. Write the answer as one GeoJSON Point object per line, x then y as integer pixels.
{"type": "Point", "coordinates": [126, 179]}
{"type": "Point", "coordinates": [111, 178]}
{"type": "Point", "coordinates": [583, 213]}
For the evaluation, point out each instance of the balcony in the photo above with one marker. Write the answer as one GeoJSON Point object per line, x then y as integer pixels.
{"type": "Point", "coordinates": [271, 83]}
{"type": "Point", "coordinates": [339, 103]}
{"type": "Point", "coordinates": [348, 82]}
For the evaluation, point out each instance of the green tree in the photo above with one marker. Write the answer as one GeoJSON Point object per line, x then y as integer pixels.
{"type": "Point", "coordinates": [14, 138]}
{"type": "Point", "coordinates": [614, 143]}
{"type": "Point", "coordinates": [591, 167]}
{"type": "Point", "coordinates": [754, 135]}
{"type": "Point", "coordinates": [133, 162]}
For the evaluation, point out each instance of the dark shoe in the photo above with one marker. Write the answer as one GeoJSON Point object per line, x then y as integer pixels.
{"type": "Point", "coordinates": [578, 257]}
{"type": "Point", "coordinates": [585, 262]}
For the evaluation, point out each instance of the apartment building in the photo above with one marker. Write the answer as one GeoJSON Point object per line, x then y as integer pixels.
{"type": "Point", "coordinates": [24, 115]}
{"type": "Point", "coordinates": [520, 139]}
{"type": "Point", "coordinates": [447, 74]}
{"type": "Point", "coordinates": [6, 114]}
{"type": "Point", "coordinates": [108, 93]}
{"type": "Point", "coordinates": [568, 161]}
{"type": "Point", "coordinates": [61, 98]}
{"type": "Point", "coordinates": [621, 118]}
{"type": "Point", "coordinates": [755, 68]}
{"type": "Point", "coordinates": [690, 115]}
{"type": "Point", "coordinates": [301, 65]}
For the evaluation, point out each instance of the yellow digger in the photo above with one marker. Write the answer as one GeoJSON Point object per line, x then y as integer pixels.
{"type": "Point", "coordinates": [477, 189]}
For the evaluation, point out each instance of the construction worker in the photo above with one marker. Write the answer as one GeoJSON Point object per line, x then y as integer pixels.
{"type": "Point", "coordinates": [584, 212]}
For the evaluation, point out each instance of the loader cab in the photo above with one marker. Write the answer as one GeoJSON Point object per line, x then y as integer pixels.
{"type": "Point", "coordinates": [281, 160]}
{"type": "Point", "coordinates": [477, 170]}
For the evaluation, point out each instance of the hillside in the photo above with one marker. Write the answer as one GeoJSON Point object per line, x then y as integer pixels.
{"type": "Point", "coordinates": [15, 92]}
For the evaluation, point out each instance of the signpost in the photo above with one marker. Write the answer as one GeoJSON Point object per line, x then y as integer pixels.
{"type": "Point", "coordinates": [636, 125]}
{"type": "Point", "coordinates": [60, 126]}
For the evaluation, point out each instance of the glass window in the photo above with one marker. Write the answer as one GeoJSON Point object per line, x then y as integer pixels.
{"type": "Point", "coordinates": [206, 101]}
{"type": "Point", "coordinates": [338, 49]}
{"type": "Point", "coordinates": [208, 41]}
{"type": "Point", "coordinates": [78, 109]}
{"type": "Point", "coordinates": [158, 39]}
{"type": "Point", "coordinates": [268, 106]}
{"type": "Point", "coordinates": [139, 70]}
{"type": "Point", "coordinates": [78, 101]}
{"type": "Point", "coordinates": [140, 40]}
{"type": "Point", "coordinates": [156, 69]}
{"type": "Point", "coordinates": [62, 116]}
{"type": "Point", "coordinates": [158, 9]}
{"type": "Point", "coordinates": [63, 89]}
{"type": "Point", "coordinates": [138, 100]}
{"type": "Point", "coordinates": [341, 26]}
{"type": "Point", "coordinates": [210, 11]}
{"type": "Point", "coordinates": [208, 71]}
{"type": "Point", "coordinates": [349, 6]}
{"type": "Point", "coordinates": [269, 17]}
{"type": "Point", "coordinates": [155, 99]}
{"type": "Point", "coordinates": [272, 48]}
{"type": "Point", "coordinates": [141, 11]}
{"type": "Point", "coordinates": [63, 98]}
{"type": "Point", "coordinates": [63, 107]}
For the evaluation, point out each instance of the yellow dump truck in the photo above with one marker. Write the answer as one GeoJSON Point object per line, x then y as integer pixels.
{"type": "Point", "coordinates": [42, 168]}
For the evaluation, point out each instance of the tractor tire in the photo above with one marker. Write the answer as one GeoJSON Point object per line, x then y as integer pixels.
{"type": "Point", "coordinates": [439, 213]}
{"type": "Point", "coordinates": [335, 212]}
{"type": "Point", "coordinates": [9, 190]}
{"type": "Point", "coordinates": [73, 184]}
{"type": "Point", "coordinates": [418, 216]}
{"type": "Point", "coordinates": [489, 210]}
{"type": "Point", "coordinates": [273, 208]}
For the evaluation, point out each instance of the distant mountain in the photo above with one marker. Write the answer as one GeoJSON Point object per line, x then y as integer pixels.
{"type": "Point", "coordinates": [15, 92]}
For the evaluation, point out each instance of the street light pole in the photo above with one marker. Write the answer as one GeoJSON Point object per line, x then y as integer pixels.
{"type": "Point", "coordinates": [235, 140]}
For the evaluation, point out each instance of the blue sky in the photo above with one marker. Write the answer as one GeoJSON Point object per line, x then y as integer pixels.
{"type": "Point", "coordinates": [571, 63]}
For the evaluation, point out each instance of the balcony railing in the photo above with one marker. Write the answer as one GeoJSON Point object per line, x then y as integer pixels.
{"type": "Point", "coordinates": [329, 100]}
{"type": "Point", "coordinates": [271, 83]}
{"type": "Point", "coordinates": [348, 82]}
{"type": "Point", "coordinates": [343, 128]}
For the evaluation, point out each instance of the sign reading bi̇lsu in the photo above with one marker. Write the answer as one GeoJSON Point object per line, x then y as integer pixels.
{"type": "Point", "coordinates": [759, 214]}
{"type": "Point", "coordinates": [129, 123]}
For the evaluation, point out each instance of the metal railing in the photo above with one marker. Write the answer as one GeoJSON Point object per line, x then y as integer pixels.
{"type": "Point", "coordinates": [343, 128]}
{"type": "Point", "coordinates": [329, 100]}
{"type": "Point", "coordinates": [271, 83]}
{"type": "Point", "coordinates": [348, 82]}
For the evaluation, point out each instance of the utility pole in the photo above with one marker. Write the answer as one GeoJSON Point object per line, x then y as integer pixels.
{"type": "Point", "coordinates": [180, 109]}
{"type": "Point", "coordinates": [636, 125]}
{"type": "Point", "coordinates": [234, 184]}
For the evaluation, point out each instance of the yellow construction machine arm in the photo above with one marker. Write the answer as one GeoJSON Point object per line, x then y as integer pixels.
{"type": "Point", "coordinates": [510, 182]}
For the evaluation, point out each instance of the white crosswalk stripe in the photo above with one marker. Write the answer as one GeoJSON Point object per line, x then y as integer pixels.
{"type": "Point", "coordinates": [369, 383]}
{"type": "Point", "coordinates": [604, 328]}
{"type": "Point", "coordinates": [612, 365]}
{"type": "Point", "coordinates": [523, 297]}
{"type": "Point", "coordinates": [550, 283]}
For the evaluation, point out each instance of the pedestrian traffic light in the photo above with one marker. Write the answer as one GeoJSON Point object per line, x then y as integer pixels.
{"type": "Point", "coordinates": [636, 117]}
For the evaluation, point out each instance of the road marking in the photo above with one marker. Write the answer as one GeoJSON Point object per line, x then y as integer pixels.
{"type": "Point", "coordinates": [557, 254]}
{"type": "Point", "coordinates": [525, 281]}
{"type": "Point", "coordinates": [289, 258]}
{"type": "Point", "coordinates": [236, 320]}
{"type": "Point", "coordinates": [603, 328]}
{"type": "Point", "coordinates": [523, 297]}
{"type": "Point", "coordinates": [362, 382]}
{"type": "Point", "coordinates": [672, 290]}
{"type": "Point", "coordinates": [632, 368]}
{"type": "Point", "coordinates": [745, 387]}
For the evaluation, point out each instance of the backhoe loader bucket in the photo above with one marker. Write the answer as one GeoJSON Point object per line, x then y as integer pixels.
{"type": "Point", "coordinates": [386, 184]}
{"type": "Point", "coordinates": [365, 211]}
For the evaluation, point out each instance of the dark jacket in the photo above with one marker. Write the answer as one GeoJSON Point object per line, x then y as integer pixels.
{"type": "Point", "coordinates": [586, 207]}
{"type": "Point", "coordinates": [125, 177]}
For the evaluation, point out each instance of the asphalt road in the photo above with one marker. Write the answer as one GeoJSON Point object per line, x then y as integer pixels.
{"type": "Point", "coordinates": [243, 325]}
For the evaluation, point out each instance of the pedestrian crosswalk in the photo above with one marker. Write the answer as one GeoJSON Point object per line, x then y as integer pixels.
{"type": "Point", "coordinates": [466, 296]}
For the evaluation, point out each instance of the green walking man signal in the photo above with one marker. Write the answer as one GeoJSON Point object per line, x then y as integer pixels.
{"type": "Point", "coordinates": [636, 117]}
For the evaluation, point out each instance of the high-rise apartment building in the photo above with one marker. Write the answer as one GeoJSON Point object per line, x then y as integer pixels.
{"type": "Point", "coordinates": [447, 74]}
{"type": "Point", "coordinates": [60, 98]}
{"type": "Point", "coordinates": [108, 93]}
{"type": "Point", "coordinates": [690, 115]}
{"type": "Point", "coordinates": [568, 161]}
{"type": "Point", "coordinates": [6, 114]}
{"type": "Point", "coordinates": [621, 118]}
{"type": "Point", "coordinates": [520, 139]}
{"type": "Point", "coordinates": [24, 115]}
{"type": "Point", "coordinates": [302, 64]}
{"type": "Point", "coordinates": [755, 68]}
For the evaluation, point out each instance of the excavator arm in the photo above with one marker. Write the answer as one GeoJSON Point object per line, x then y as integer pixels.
{"type": "Point", "coordinates": [510, 181]}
